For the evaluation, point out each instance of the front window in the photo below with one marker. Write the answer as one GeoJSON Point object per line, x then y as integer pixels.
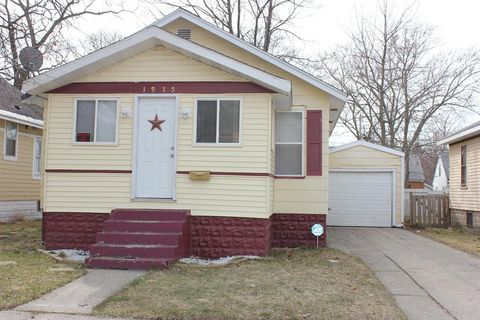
{"type": "Point", "coordinates": [289, 143]}
{"type": "Point", "coordinates": [37, 157]}
{"type": "Point", "coordinates": [463, 161]}
{"type": "Point", "coordinates": [11, 140]}
{"type": "Point", "coordinates": [96, 121]}
{"type": "Point", "coordinates": [218, 121]}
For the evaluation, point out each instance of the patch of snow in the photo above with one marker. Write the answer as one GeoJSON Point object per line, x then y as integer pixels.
{"type": "Point", "coordinates": [214, 262]}
{"type": "Point", "coordinates": [70, 254]}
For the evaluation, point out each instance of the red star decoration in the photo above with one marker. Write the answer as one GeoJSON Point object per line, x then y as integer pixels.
{"type": "Point", "coordinates": [156, 123]}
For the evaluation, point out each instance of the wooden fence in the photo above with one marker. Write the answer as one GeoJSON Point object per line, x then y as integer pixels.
{"type": "Point", "coordinates": [431, 210]}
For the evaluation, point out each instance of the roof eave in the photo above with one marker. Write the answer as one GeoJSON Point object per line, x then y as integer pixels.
{"type": "Point", "coordinates": [144, 40]}
{"type": "Point", "coordinates": [18, 118]}
{"type": "Point", "coordinates": [180, 13]}
{"type": "Point", "coordinates": [461, 136]}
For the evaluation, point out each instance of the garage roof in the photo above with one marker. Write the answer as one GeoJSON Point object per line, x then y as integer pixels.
{"type": "Point", "coordinates": [370, 145]}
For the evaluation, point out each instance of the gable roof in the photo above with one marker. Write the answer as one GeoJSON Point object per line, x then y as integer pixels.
{"type": "Point", "coordinates": [446, 162]}
{"type": "Point", "coordinates": [13, 109]}
{"type": "Point", "coordinates": [468, 132]}
{"type": "Point", "coordinates": [415, 168]}
{"type": "Point", "coordinates": [366, 144]}
{"type": "Point", "coordinates": [143, 40]}
{"type": "Point", "coordinates": [181, 13]}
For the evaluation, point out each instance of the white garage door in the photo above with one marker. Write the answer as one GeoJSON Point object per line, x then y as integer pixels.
{"type": "Point", "coordinates": [360, 199]}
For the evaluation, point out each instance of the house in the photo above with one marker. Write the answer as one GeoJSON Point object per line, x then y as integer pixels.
{"type": "Point", "coordinates": [21, 129]}
{"type": "Point", "coordinates": [365, 186]}
{"type": "Point", "coordinates": [464, 173]}
{"type": "Point", "coordinates": [416, 175]}
{"type": "Point", "coordinates": [182, 139]}
{"type": "Point", "coordinates": [442, 173]}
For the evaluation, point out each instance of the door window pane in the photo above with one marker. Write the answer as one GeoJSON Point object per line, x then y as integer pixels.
{"type": "Point", "coordinates": [206, 121]}
{"type": "Point", "coordinates": [106, 120]}
{"type": "Point", "coordinates": [229, 124]}
{"type": "Point", "coordinates": [85, 121]}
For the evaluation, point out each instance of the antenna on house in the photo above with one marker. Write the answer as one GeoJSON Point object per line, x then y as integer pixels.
{"type": "Point", "coordinates": [31, 59]}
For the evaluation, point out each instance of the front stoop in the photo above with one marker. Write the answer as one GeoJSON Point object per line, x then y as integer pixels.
{"type": "Point", "coordinates": [141, 239]}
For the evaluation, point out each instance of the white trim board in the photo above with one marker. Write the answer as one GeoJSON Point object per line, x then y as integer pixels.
{"type": "Point", "coordinates": [366, 144]}
{"type": "Point", "coordinates": [21, 119]}
{"type": "Point", "coordinates": [144, 40]}
{"type": "Point", "coordinates": [471, 132]}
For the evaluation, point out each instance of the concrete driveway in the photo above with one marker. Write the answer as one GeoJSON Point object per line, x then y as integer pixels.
{"type": "Point", "coordinates": [428, 279]}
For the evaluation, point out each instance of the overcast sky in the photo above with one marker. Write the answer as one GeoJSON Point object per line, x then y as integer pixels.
{"type": "Point", "coordinates": [456, 24]}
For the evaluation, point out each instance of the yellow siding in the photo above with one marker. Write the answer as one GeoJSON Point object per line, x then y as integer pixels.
{"type": "Point", "coordinates": [290, 196]}
{"type": "Point", "coordinates": [160, 64]}
{"type": "Point", "coordinates": [465, 198]}
{"type": "Point", "coordinates": [308, 195]}
{"type": "Point", "coordinates": [16, 177]}
{"type": "Point", "coordinates": [361, 157]}
{"type": "Point", "coordinates": [237, 196]}
{"type": "Point", "coordinates": [221, 196]}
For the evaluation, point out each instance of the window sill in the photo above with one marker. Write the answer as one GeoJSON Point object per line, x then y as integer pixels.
{"type": "Point", "coordinates": [36, 177]}
{"type": "Point", "coordinates": [289, 177]}
{"type": "Point", "coordinates": [154, 200]}
{"type": "Point", "coordinates": [218, 145]}
{"type": "Point", "coordinates": [10, 158]}
{"type": "Point", "coordinates": [463, 188]}
{"type": "Point", "coordinates": [98, 144]}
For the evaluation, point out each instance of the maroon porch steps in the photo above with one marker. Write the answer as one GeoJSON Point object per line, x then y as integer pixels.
{"type": "Point", "coordinates": [141, 239]}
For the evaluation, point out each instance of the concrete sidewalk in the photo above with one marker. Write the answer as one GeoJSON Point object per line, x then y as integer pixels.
{"type": "Point", "coordinates": [21, 315]}
{"type": "Point", "coordinates": [429, 280]}
{"type": "Point", "coordinates": [82, 295]}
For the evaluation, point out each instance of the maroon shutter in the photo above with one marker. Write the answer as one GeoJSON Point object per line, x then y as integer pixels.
{"type": "Point", "coordinates": [314, 143]}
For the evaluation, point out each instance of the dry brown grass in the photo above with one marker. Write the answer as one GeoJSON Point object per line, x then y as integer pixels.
{"type": "Point", "coordinates": [298, 284]}
{"type": "Point", "coordinates": [29, 278]}
{"type": "Point", "coordinates": [456, 238]}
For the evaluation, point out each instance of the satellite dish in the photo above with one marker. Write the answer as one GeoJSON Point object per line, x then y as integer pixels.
{"type": "Point", "coordinates": [31, 59]}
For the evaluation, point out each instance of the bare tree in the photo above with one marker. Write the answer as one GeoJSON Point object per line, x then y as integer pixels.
{"type": "Point", "coordinates": [397, 80]}
{"type": "Point", "coordinates": [97, 41]}
{"type": "Point", "coordinates": [39, 24]}
{"type": "Point", "coordinates": [263, 23]}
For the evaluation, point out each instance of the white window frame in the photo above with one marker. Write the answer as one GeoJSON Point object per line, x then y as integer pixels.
{"type": "Point", "coordinates": [94, 142]}
{"type": "Point", "coordinates": [302, 112]}
{"type": "Point", "coordinates": [218, 144]}
{"type": "Point", "coordinates": [5, 156]}
{"type": "Point", "coordinates": [37, 175]}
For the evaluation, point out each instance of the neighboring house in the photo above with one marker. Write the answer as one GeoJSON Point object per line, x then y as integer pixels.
{"type": "Point", "coordinates": [182, 139]}
{"type": "Point", "coordinates": [21, 129]}
{"type": "Point", "coordinates": [442, 173]}
{"type": "Point", "coordinates": [464, 172]}
{"type": "Point", "coordinates": [416, 175]}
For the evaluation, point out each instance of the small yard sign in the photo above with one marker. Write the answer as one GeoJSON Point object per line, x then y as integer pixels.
{"type": "Point", "coordinates": [317, 231]}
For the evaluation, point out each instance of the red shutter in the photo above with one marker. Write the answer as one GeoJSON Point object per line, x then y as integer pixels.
{"type": "Point", "coordinates": [314, 143]}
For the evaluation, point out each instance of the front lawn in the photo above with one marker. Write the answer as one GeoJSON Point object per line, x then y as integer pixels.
{"type": "Point", "coordinates": [456, 238]}
{"type": "Point", "coordinates": [293, 284]}
{"type": "Point", "coordinates": [24, 272]}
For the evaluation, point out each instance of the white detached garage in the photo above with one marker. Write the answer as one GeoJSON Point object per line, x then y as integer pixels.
{"type": "Point", "coordinates": [365, 186]}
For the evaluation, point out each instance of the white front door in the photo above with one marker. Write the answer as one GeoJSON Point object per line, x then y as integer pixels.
{"type": "Point", "coordinates": [360, 199]}
{"type": "Point", "coordinates": [156, 123]}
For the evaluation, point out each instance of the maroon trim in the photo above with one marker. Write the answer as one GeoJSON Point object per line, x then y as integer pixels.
{"type": "Point", "coordinates": [162, 87]}
{"type": "Point", "coordinates": [87, 171]}
{"type": "Point", "coordinates": [314, 143]}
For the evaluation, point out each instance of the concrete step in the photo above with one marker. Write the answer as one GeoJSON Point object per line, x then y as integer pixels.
{"type": "Point", "coordinates": [142, 226]}
{"type": "Point", "coordinates": [133, 251]}
{"type": "Point", "coordinates": [121, 263]}
{"type": "Point", "coordinates": [148, 215]}
{"type": "Point", "coordinates": [168, 239]}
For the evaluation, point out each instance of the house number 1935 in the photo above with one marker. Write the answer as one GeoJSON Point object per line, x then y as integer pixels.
{"type": "Point", "coordinates": [154, 89]}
